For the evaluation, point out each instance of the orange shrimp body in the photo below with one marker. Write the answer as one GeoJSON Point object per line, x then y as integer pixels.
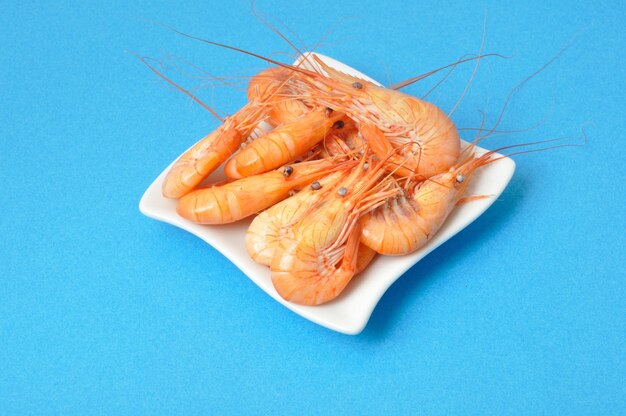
{"type": "Point", "coordinates": [320, 278]}
{"type": "Point", "coordinates": [317, 256]}
{"type": "Point", "coordinates": [426, 139]}
{"type": "Point", "coordinates": [205, 156]}
{"type": "Point", "coordinates": [284, 144]}
{"type": "Point", "coordinates": [364, 257]}
{"type": "Point", "coordinates": [272, 83]}
{"type": "Point", "coordinates": [406, 223]}
{"type": "Point", "coordinates": [244, 197]}
{"type": "Point", "coordinates": [268, 227]}
{"type": "Point", "coordinates": [344, 141]}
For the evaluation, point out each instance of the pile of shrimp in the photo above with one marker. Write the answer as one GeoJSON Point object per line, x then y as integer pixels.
{"type": "Point", "coordinates": [348, 170]}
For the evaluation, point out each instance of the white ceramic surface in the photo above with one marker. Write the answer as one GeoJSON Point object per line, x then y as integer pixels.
{"type": "Point", "coordinates": [350, 312]}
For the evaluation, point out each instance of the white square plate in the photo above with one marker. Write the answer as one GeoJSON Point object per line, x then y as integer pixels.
{"type": "Point", "coordinates": [350, 312]}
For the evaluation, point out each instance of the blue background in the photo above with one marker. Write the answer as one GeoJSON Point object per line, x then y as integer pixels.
{"type": "Point", "coordinates": [103, 311]}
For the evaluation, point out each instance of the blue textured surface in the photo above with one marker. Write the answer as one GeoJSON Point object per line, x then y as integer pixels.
{"type": "Point", "coordinates": [103, 311]}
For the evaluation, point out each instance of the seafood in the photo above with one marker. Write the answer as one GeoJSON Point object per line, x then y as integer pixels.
{"type": "Point", "coordinates": [269, 226]}
{"type": "Point", "coordinates": [214, 149]}
{"type": "Point", "coordinates": [317, 256]}
{"type": "Point", "coordinates": [425, 207]}
{"type": "Point", "coordinates": [382, 171]}
{"type": "Point", "coordinates": [427, 139]}
{"type": "Point", "coordinates": [298, 127]}
{"type": "Point", "coordinates": [270, 85]}
{"type": "Point", "coordinates": [284, 144]}
{"type": "Point", "coordinates": [305, 279]}
{"type": "Point", "coordinates": [222, 204]}
{"type": "Point", "coordinates": [209, 153]}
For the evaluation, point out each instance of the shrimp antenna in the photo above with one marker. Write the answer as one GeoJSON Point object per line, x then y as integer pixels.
{"type": "Point", "coordinates": [273, 28]}
{"type": "Point", "coordinates": [464, 157]}
{"type": "Point", "coordinates": [305, 55]}
{"type": "Point", "coordinates": [481, 128]}
{"type": "Point", "coordinates": [487, 158]}
{"type": "Point", "coordinates": [582, 131]}
{"type": "Point", "coordinates": [224, 81]}
{"type": "Point", "coordinates": [236, 49]}
{"type": "Point", "coordinates": [525, 80]}
{"type": "Point", "coordinates": [406, 83]}
{"type": "Point", "coordinates": [178, 87]}
{"type": "Point", "coordinates": [222, 45]}
{"type": "Point", "coordinates": [482, 45]}
{"type": "Point", "coordinates": [444, 78]}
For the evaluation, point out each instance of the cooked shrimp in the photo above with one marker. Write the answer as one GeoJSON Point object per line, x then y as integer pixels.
{"type": "Point", "coordinates": [265, 93]}
{"type": "Point", "coordinates": [244, 197]}
{"type": "Point", "coordinates": [284, 144]}
{"type": "Point", "coordinates": [209, 153]}
{"type": "Point", "coordinates": [205, 156]}
{"type": "Point", "coordinates": [427, 140]}
{"type": "Point", "coordinates": [272, 83]}
{"type": "Point", "coordinates": [317, 279]}
{"type": "Point", "coordinates": [317, 256]}
{"type": "Point", "coordinates": [268, 227]}
{"type": "Point", "coordinates": [406, 222]}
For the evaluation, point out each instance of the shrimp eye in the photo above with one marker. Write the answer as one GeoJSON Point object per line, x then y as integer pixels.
{"type": "Point", "coordinates": [460, 178]}
{"type": "Point", "coordinates": [288, 171]}
{"type": "Point", "coordinates": [338, 124]}
{"type": "Point", "coordinates": [357, 85]}
{"type": "Point", "coordinates": [316, 185]}
{"type": "Point", "coordinates": [342, 191]}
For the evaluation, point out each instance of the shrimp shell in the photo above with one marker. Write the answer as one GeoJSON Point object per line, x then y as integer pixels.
{"type": "Point", "coordinates": [425, 208]}
{"type": "Point", "coordinates": [427, 140]}
{"type": "Point", "coordinates": [244, 197]}
{"type": "Point", "coordinates": [283, 144]}
{"type": "Point", "coordinates": [317, 256]}
{"type": "Point", "coordinates": [272, 83]}
{"type": "Point", "coordinates": [269, 226]}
